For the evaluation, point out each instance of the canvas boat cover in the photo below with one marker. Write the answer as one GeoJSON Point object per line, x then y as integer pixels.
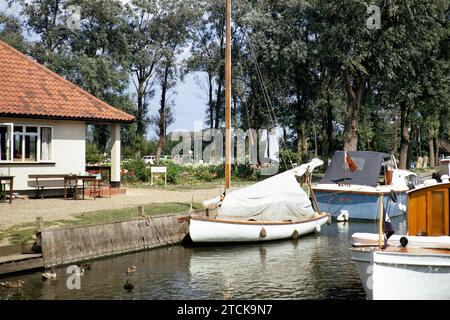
{"type": "Point", "coordinates": [277, 198]}
{"type": "Point", "coordinates": [368, 168]}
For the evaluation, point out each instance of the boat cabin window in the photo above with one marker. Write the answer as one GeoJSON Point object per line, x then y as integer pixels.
{"type": "Point", "coordinates": [412, 181]}
{"type": "Point", "coordinates": [386, 172]}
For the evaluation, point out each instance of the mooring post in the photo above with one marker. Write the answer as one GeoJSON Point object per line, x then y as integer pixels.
{"type": "Point", "coordinates": [141, 211]}
{"type": "Point", "coordinates": [39, 229]}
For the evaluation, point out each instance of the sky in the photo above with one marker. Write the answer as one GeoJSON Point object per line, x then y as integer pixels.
{"type": "Point", "coordinates": [189, 101]}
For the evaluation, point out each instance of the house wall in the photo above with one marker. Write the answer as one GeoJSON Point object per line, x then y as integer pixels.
{"type": "Point", "coordinates": [69, 149]}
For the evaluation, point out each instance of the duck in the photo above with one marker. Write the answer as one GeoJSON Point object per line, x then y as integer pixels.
{"type": "Point", "coordinates": [12, 284]}
{"type": "Point", "coordinates": [49, 275]}
{"type": "Point", "coordinates": [343, 217]}
{"type": "Point", "coordinates": [86, 266]}
{"type": "Point", "coordinates": [131, 269]}
{"type": "Point", "coordinates": [128, 285]}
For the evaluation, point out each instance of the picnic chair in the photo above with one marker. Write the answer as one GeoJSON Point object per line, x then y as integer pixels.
{"type": "Point", "coordinates": [96, 188]}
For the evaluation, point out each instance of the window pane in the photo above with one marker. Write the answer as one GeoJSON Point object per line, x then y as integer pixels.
{"type": "Point", "coordinates": [4, 143]}
{"type": "Point", "coordinates": [17, 145]}
{"type": "Point", "coordinates": [30, 148]}
{"type": "Point", "coordinates": [31, 129]}
{"type": "Point", "coordinates": [18, 129]}
{"type": "Point", "coordinates": [46, 144]}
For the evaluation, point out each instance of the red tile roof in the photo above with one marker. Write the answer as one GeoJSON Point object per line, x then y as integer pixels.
{"type": "Point", "coordinates": [28, 89]}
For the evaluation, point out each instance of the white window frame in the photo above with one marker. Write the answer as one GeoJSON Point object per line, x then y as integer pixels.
{"type": "Point", "coordinates": [38, 142]}
{"type": "Point", "coordinates": [9, 142]}
{"type": "Point", "coordinates": [51, 144]}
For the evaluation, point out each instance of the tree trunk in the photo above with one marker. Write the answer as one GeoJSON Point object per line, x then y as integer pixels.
{"type": "Point", "coordinates": [436, 158]}
{"type": "Point", "coordinates": [405, 137]}
{"type": "Point", "coordinates": [162, 115]}
{"type": "Point", "coordinates": [354, 101]}
{"type": "Point", "coordinates": [431, 133]}
{"type": "Point", "coordinates": [218, 101]}
{"type": "Point", "coordinates": [395, 138]}
{"type": "Point", "coordinates": [210, 100]}
{"type": "Point", "coordinates": [140, 116]}
{"type": "Point", "coordinates": [304, 141]}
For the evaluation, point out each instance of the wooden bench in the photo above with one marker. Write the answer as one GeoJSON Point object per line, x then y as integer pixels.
{"type": "Point", "coordinates": [50, 181]}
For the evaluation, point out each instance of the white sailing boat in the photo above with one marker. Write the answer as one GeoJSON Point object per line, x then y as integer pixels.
{"type": "Point", "coordinates": [276, 208]}
{"type": "Point", "coordinates": [412, 266]}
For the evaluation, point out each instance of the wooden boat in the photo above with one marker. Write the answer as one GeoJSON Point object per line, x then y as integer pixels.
{"type": "Point", "coordinates": [203, 229]}
{"type": "Point", "coordinates": [273, 209]}
{"type": "Point", "coordinates": [412, 266]}
{"type": "Point", "coordinates": [358, 191]}
{"type": "Point", "coordinates": [276, 208]}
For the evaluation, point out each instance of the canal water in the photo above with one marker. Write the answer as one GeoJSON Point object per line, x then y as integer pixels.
{"type": "Point", "coordinates": [314, 267]}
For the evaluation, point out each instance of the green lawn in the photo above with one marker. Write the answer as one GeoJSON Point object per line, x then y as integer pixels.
{"type": "Point", "coordinates": [24, 232]}
{"type": "Point", "coordinates": [188, 186]}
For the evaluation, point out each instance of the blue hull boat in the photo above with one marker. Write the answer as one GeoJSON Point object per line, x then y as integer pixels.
{"type": "Point", "coordinates": [354, 181]}
{"type": "Point", "coordinates": [360, 206]}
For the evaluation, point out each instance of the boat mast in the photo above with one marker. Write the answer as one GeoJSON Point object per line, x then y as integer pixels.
{"type": "Point", "coordinates": [228, 97]}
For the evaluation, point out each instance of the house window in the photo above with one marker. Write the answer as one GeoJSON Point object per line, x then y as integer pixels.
{"type": "Point", "coordinates": [5, 142]}
{"type": "Point", "coordinates": [25, 143]}
{"type": "Point", "coordinates": [18, 143]}
{"type": "Point", "coordinates": [30, 144]}
{"type": "Point", "coordinates": [46, 143]}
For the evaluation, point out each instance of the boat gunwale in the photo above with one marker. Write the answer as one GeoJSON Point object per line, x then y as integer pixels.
{"type": "Point", "coordinates": [259, 223]}
{"type": "Point", "coordinates": [343, 191]}
{"type": "Point", "coordinates": [409, 251]}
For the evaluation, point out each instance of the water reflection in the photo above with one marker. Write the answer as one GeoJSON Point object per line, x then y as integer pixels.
{"type": "Point", "coordinates": [314, 267]}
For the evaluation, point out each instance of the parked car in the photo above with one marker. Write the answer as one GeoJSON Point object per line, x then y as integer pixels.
{"type": "Point", "coordinates": [165, 158]}
{"type": "Point", "coordinates": [149, 159]}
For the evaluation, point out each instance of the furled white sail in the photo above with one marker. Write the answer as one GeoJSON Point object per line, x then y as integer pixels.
{"type": "Point", "coordinates": [274, 199]}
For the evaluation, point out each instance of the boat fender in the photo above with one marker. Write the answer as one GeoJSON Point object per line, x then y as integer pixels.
{"type": "Point", "coordinates": [404, 241]}
{"type": "Point", "coordinates": [262, 233]}
{"type": "Point", "coordinates": [318, 228]}
{"type": "Point", "coordinates": [393, 196]}
{"type": "Point", "coordinates": [329, 219]}
{"type": "Point", "coordinates": [295, 235]}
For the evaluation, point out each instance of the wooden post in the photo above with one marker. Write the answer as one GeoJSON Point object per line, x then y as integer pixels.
{"type": "Point", "coordinates": [380, 227]}
{"type": "Point", "coordinates": [313, 195]}
{"type": "Point", "coordinates": [39, 229]}
{"type": "Point", "coordinates": [228, 97]}
{"type": "Point", "coordinates": [141, 211]}
{"type": "Point", "coordinates": [151, 178]}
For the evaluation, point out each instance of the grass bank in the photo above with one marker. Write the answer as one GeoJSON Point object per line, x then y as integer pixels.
{"type": "Point", "coordinates": [25, 232]}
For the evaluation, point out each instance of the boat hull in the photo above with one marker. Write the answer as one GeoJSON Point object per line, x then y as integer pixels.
{"type": "Point", "coordinates": [403, 276]}
{"type": "Point", "coordinates": [360, 205]}
{"type": "Point", "coordinates": [218, 230]}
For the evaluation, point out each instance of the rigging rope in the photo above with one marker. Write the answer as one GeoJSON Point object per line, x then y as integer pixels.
{"type": "Point", "coordinates": [265, 93]}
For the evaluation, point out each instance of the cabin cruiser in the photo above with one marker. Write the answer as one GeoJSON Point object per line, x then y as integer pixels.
{"type": "Point", "coordinates": [354, 180]}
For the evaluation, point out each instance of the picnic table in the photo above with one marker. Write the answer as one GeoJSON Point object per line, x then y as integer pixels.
{"type": "Point", "coordinates": [10, 180]}
{"type": "Point", "coordinates": [68, 179]}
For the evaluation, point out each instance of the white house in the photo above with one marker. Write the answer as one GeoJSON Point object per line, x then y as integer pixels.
{"type": "Point", "coordinates": [43, 121]}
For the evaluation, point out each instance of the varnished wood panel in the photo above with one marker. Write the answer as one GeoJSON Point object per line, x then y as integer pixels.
{"type": "Point", "coordinates": [417, 213]}
{"type": "Point", "coordinates": [436, 213]}
{"type": "Point", "coordinates": [428, 211]}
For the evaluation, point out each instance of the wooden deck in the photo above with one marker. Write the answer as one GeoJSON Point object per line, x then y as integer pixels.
{"type": "Point", "coordinates": [13, 260]}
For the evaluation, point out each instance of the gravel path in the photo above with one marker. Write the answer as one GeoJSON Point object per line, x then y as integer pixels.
{"type": "Point", "coordinates": [22, 211]}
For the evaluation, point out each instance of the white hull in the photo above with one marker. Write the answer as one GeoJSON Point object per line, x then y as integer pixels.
{"type": "Point", "coordinates": [404, 274]}
{"type": "Point", "coordinates": [219, 230]}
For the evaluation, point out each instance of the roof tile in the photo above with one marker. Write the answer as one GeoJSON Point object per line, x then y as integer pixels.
{"type": "Point", "coordinates": [30, 89]}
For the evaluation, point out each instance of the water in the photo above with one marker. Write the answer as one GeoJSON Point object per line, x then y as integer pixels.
{"type": "Point", "coordinates": [315, 267]}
